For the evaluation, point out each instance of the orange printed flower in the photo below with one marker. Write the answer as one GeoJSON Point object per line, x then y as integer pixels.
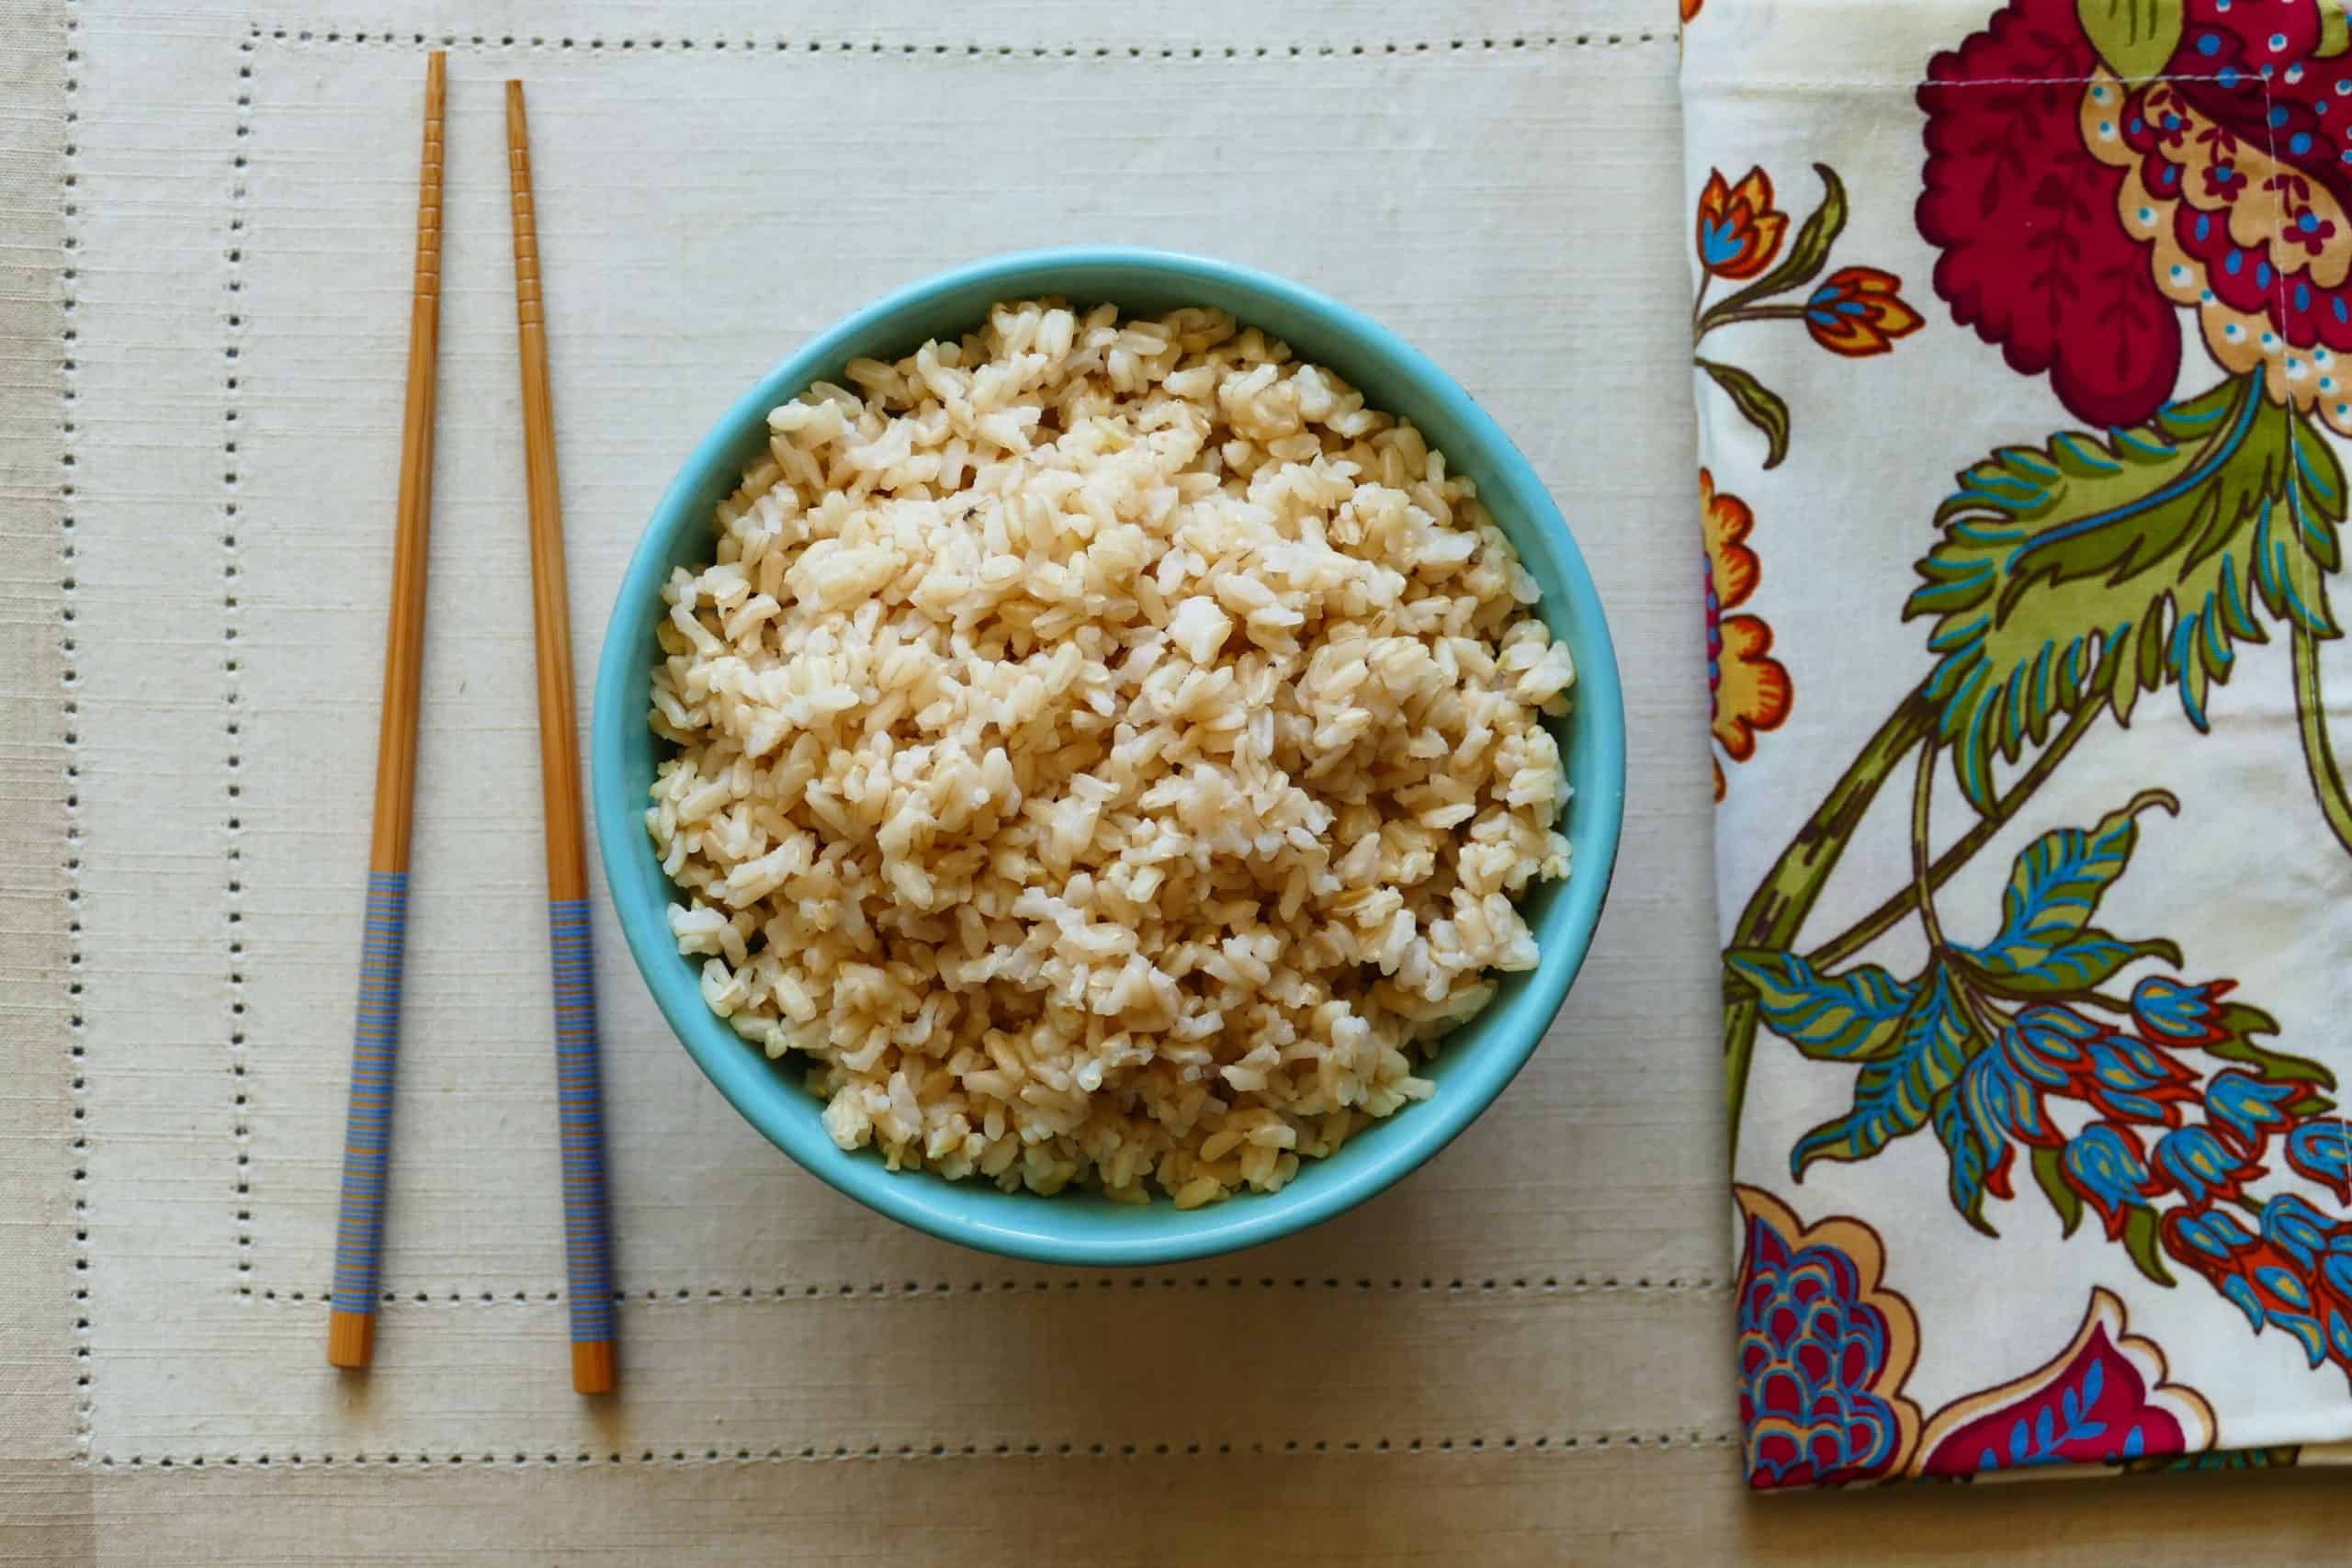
{"type": "Point", "coordinates": [1690, 8]}
{"type": "Point", "coordinates": [1751, 688]}
{"type": "Point", "coordinates": [1738, 232]}
{"type": "Point", "coordinates": [1859, 312]}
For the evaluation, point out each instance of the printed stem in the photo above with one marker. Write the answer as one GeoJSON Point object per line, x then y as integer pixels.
{"type": "Point", "coordinates": [1901, 902]}
{"type": "Point", "coordinates": [1698, 306]}
{"type": "Point", "coordinates": [2319, 755]}
{"type": "Point", "coordinates": [1970, 1003]}
{"type": "Point", "coordinates": [1992, 985]}
{"type": "Point", "coordinates": [1720, 317]}
{"type": "Point", "coordinates": [1920, 891]}
{"type": "Point", "coordinates": [1786, 895]}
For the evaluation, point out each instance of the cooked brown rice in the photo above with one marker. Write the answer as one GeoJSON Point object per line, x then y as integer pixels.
{"type": "Point", "coordinates": [1108, 751]}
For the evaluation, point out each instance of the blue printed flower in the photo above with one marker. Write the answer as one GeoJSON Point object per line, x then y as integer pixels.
{"type": "Point", "coordinates": [2200, 1166]}
{"type": "Point", "coordinates": [2245, 1110]}
{"type": "Point", "coordinates": [2319, 1249]}
{"type": "Point", "coordinates": [2322, 1150]}
{"type": "Point", "coordinates": [2299, 1230]}
{"type": "Point", "coordinates": [2295, 1277]}
{"type": "Point", "coordinates": [2050, 1045]}
{"type": "Point", "coordinates": [2217, 1235]}
{"type": "Point", "coordinates": [2103, 1165]}
{"type": "Point", "coordinates": [2132, 1081]}
{"type": "Point", "coordinates": [2126, 1078]}
{"type": "Point", "coordinates": [1995, 1091]}
{"type": "Point", "coordinates": [2178, 1014]}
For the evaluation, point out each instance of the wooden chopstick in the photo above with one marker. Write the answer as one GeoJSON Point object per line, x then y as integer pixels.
{"type": "Point", "coordinates": [366, 1138]}
{"type": "Point", "coordinates": [579, 1095]}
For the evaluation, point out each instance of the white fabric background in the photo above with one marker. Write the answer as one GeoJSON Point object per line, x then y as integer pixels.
{"type": "Point", "coordinates": [1520, 1355]}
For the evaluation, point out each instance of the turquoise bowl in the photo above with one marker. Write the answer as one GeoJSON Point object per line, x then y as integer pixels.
{"type": "Point", "coordinates": [1473, 1064]}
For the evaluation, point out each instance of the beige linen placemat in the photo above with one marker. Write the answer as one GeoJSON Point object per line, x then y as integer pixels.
{"type": "Point", "coordinates": [706, 201]}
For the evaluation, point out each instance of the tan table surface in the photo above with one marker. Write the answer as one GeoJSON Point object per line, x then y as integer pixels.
{"type": "Point", "coordinates": [1520, 1356]}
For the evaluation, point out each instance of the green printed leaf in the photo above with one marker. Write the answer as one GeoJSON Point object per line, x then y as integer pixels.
{"type": "Point", "coordinates": [1807, 254]}
{"type": "Point", "coordinates": [2335, 33]}
{"type": "Point", "coordinates": [2136, 37]}
{"type": "Point", "coordinates": [2140, 1234]}
{"type": "Point", "coordinates": [2062, 1198]}
{"type": "Point", "coordinates": [2055, 887]}
{"type": "Point", "coordinates": [1830, 1017]}
{"type": "Point", "coordinates": [1758, 403]}
{"type": "Point", "coordinates": [1894, 1096]}
{"type": "Point", "coordinates": [2240, 1024]}
{"type": "Point", "coordinates": [2089, 570]}
{"type": "Point", "coordinates": [1979, 1156]}
{"type": "Point", "coordinates": [2078, 966]}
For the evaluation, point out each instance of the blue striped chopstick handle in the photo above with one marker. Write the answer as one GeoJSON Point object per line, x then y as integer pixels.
{"type": "Point", "coordinates": [368, 1134]}
{"type": "Point", "coordinates": [580, 1108]}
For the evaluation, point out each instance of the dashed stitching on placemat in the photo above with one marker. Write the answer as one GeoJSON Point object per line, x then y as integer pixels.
{"type": "Point", "coordinates": [231, 370]}
{"type": "Point", "coordinates": [592, 43]}
{"type": "Point", "coordinates": [85, 1392]}
{"type": "Point", "coordinates": [437, 1456]}
{"type": "Point", "coordinates": [1133, 1285]}
{"type": "Point", "coordinates": [751, 43]}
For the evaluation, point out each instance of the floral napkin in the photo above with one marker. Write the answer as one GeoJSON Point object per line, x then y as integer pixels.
{"type": "Point", "coordinates": [2018, 336]}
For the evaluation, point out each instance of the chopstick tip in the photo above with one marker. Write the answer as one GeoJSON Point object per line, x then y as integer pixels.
{"type": "Point", "coordinates": [351, 1340]}
{"type": "Point", "coordinates": [595, 1366]}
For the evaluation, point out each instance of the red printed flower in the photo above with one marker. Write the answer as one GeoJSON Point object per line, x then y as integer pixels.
{"type": "Point", "coordinates": [1858, 311]}
{"type": "Point", "coordinates": [2225, 182]}
{"type": "Point", "coordinates": [2079, 214]}
{"type": "Point", "coordinates": [2300, 223]}
{"type": "Point", "coordinates": [1739, 230]}
{"type": "Point", "coordinates": [1750, 688]}
{"type": "Point", "coordinates": [1824, 1348]}
{"type": "Point", "coordinates": [2102, 1400]}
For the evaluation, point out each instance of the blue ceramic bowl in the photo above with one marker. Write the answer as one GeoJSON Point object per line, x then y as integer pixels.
{"type": "Point", "coordinates": [1474, 1063]}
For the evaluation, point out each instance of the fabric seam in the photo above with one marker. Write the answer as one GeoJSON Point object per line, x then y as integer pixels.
{"type": "Point", "coordinates": [2298, 561]}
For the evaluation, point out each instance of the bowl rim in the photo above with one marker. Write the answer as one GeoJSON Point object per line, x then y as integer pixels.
{"type": "Point", "coordinates": [744, 1077]}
